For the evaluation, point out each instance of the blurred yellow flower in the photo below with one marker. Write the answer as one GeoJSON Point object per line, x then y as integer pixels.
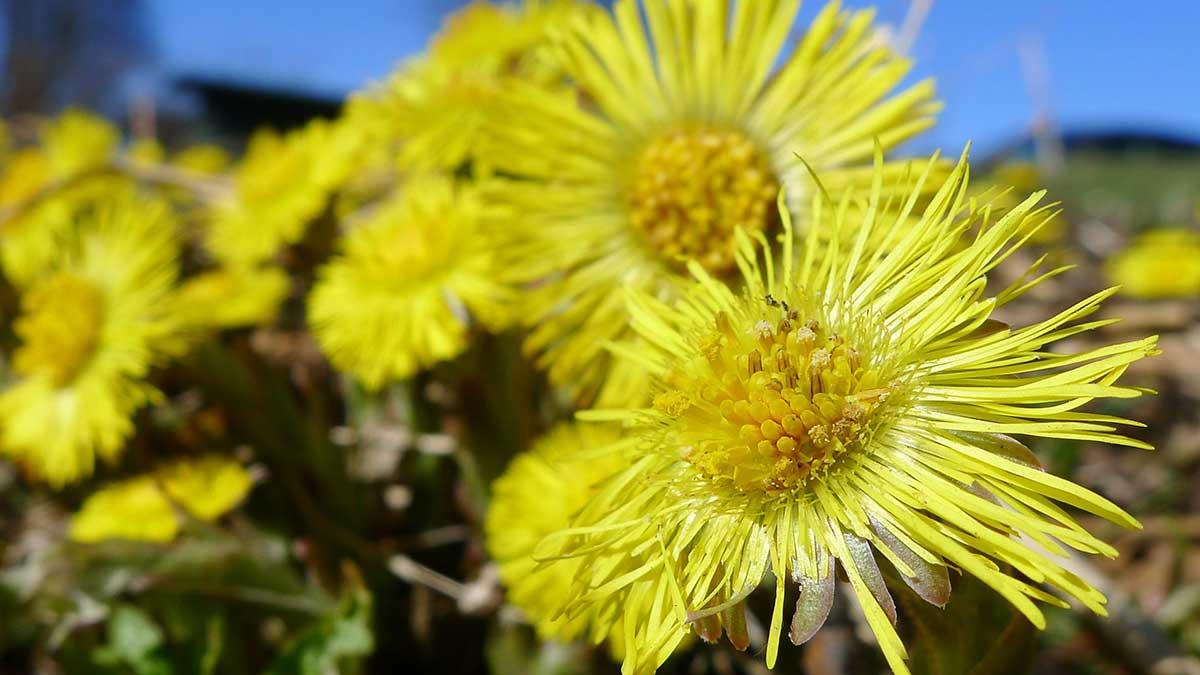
{"type": "Point", "coordinates": [850, 402]}
{"type": "Point", "coordinates": [31, 241]}
{"type": "Point", "coordinates": [370, 122]}
{"type": "Point", "coordinates": [408, 282]}
{"type": "Point", "coordinates": [204, 158]}
{"type": "Point", "coordinates": [91, 326]}
{"type": "Point", "coordinates": [77, 141]}
{"type": "Point", "coordinates": [43, 188]}
{"type": "Point", "coordinates": [532, 502]}
{"type": "Point", "coordinates": [6, 142]}
{"type": "Point", "coordinates": [70, 144]}
{"type": "Point", "coordinates": [134, 510]}
{"type": "Point", "coordinates": [207, 487]}
{"type": "Point", "coordinates": [232, 296]}
{"type": "Point", "coordinates": [146, 151]}
{"type": "Point", "coordinates": [439, 103]}
{"type": "Point", "coordinates": [281, 185]}
{"type": "Point", "coordinates": [535, 497]}
{"type": "Point", "coordinates": [26, 173]}
{"type": "Point", "coordinates": [145, 508]}
{"type": "Point", "coordinates": [1159, 264]}
{"type": "Point", "coordinates": [679, 133]}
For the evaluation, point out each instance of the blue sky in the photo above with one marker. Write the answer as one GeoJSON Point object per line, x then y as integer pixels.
{"type": "Point", "coordinates": [1108, 64]}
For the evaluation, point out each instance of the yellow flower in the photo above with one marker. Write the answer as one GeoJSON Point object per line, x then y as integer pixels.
{"type": "Point", "coordinates": [77, 141]}
{"type": "Point", "coordinates": [370, 116]}
{"type": "Point", "coordinates": [852, 404]}
{"type": "Point", "coordinates": [70, 144]}
{"type": "Point", "coordinates": [536, 496]}
{"type": "Point", "coordinates": [343, 148]}
{"type": "Point", "coordinates": [5, 142]}
{"type": "Point", "coordinates": [26, 173]}
{"type": "Point", "coordinates": [31, 218]}
{"type": "Point", "coordinates": [145, 508]}
{"type": "Point", "coordinates": [205, 158]}
{"type": "Point", "coordinates": [208, 487]}
{"type": "Point", "coordinates": [281, 185]}
{"type": "Point", "coordinates": [409, 279]}
{"type": "Point", "coordinates": [499, 38]}
{"type": "Point", "coordinates": [232, 296]}
{"type": "Point", "coordinates": [440, 102]}
{"type": "Point", "coordinates": [677, 136]}
{"type": "Point", "coordinates": [135, 510]}
{"type": "Point", "coordinates": [1159, 264]}
{"type": "Point", "coordinates": [146, 151]}
{"type": "Point", "coordinates": [31, 239]}
{"type": "Point", "coordinates": [91, 326]}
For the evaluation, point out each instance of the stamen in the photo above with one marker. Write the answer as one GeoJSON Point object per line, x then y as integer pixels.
{"type": "Point", "coordinates": [799, 399]}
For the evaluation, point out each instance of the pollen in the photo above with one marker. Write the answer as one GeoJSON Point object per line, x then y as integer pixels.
{"type": "Point", "coordinates": [692, 187]}
{"type": "Point", "coordinates": [793, 399]}
{"type": "Point", "coordinates": [60, 327]}
{"type": "Point", "coordinates": [672, 403]}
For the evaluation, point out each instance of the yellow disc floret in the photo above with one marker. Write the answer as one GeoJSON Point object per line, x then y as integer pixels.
{"type": "Point", "coordinates": [692, 187]}
{"type": "Point", "coordinates": [786, 400]}
{"type": "Point", "coordinates": [60, 327]}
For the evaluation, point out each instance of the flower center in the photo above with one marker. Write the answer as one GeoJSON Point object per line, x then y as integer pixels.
{"type": "Point", "coordinates": [59, 328]}
{"type": "Point", "coordinates": [692, 187]}
{"type": "Point", "coordinates": [409, 253]}
{"type": "Point", "coordinates": [789, 399]}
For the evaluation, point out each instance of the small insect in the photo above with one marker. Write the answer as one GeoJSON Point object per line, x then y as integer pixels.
{"type": "Point", "coordinates": [772, 302]}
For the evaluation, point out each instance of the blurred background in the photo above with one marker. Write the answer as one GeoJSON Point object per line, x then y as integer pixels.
{"type": "Point", "coordinates": [1002, 68]}
{"type": "Point", "coordinates": [1098, 102]}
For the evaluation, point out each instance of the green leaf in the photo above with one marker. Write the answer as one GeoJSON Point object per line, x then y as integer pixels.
{"type": "Point", "coordinates": [132, 634]}
{"type": "Point", "coordinates": [134, 640]}
{"type": "Point", "coordinates": [334, 641]}
{"type": "Point", "coordinates": [214, 643]}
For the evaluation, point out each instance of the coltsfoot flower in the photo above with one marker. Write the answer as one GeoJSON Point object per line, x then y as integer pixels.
{"type": "Point", "coordinates": [44, 187]}
{"type": "Point", "coordinates": [1159, 264]}
{"type": "Point", "coordinates": [145, 508]}
{"type": "Point", "coordinates": [536, 496]}
{"type": "Point", "coordinates": [534, 500]}
{"type": "Point", "coordinates": [852, 404]}
{"type": "Point", "coordinates": [77, 141]}
{"type": "Point", "coordinates": [206, 159]}
{"type": "Point", "coordinates": [681, 131]}
{"type": "Point", "coordinates": [232, 296]}
{"type": "Point", "coordinates": [440, 102]}
{"type": "Point", "coordinates": [409, 282]}
{"type": "Point", "coordinates": [91, 327]}
{"type": "Point", "coordinates": [282, 184]}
